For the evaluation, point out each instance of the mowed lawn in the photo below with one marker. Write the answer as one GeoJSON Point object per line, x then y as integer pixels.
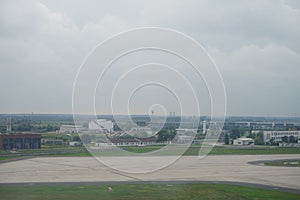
{"type": "Point", "coordinates": [285, 163]}
{"type": "Point", "coordinates": [193, 150]}
{"type": "Point", "coordinates": [141, 191]}
{"type": "Point", "coordinates": [256, 150]}
{"type": "Point", "coordinates": [8, 157]}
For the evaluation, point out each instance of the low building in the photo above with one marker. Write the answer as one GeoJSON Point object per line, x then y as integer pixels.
{"type": "Point", "coordinates": [293, 145]}
{"type": "Point", "coordinates": [126, 142]}
{"type": "Point", "coordinates": [20, 141]}
{"type": "Point", "coordinates": [74, 143]}
{"type": "Point", "coordinates": [277, 136]}
{"type": "Point", "coordinates": [70, 128]}
{"type": "Point", "coordinates": [103, 145]}
{"type": "Point", "coordinates": [141, 132]}
{"type": "Point", "coordinates": [243, 141]}
{"type": "Point", "coordinates": [101, 125]}
{"type": "Point", "coordinates": [52, 141]}
{"type": "Point", "coordinates": [186, 136]}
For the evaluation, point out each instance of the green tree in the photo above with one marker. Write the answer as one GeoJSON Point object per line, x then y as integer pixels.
{"type": "Point", "coordinates": [165, 135]}
{"type": "Point", "coordinates": [292, 139]}
{"type": "Point", "coordinates": [51, 127]}
{"type": "Point", "coordinates": [235, 133]}
{"type": "Point", "coordinates": [272, 141]}
{"type": "Point", "coordinates": [226, 139]}
{"type": "Point", "coordinates": [76, 138]}
{"type": "Point", "coordinates": [251, 135]}
{"type": "Point", "coordinates": [285, 139]}
{"type": "Point", "coordinates": [259, 138]}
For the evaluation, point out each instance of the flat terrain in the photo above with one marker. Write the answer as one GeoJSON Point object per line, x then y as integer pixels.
{"type": "Point", "coordinates": [193, 150]}
{"type": "Point", "coordinates": [286, 163]}
{"type": "Point", "coordinates": [140, 191]}
{"type": "Point", "coordinates": [188, 168]}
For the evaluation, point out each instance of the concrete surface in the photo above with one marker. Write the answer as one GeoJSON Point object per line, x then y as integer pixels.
{"type": "Point", "coordinates": [188, 168]}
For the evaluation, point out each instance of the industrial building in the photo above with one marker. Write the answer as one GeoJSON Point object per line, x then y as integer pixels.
{"type": "Point", "coordinates": [70, 128]}
{"type": "Point", "coordinates": [126, 142]}
{"type": "Point", "coordinates": [101, 125]}
{"type": "Point", "coordinates": [20, 141]}
{"type": "Point", "coordinates": [277, 136]}
{"type": "Point", "coordinates": [243, 141]}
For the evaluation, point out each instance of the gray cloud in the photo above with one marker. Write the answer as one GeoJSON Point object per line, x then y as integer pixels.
{"type": "Point", "coordinates": [254, 43]}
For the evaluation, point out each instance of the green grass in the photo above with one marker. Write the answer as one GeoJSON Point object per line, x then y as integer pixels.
{"type": "Point", "coordinates": [77, 154]}
{"type": "Point", "coordinates": [217, 150]}
{"type": "Point", "coordinates": [141, 191]}
{"type": "Point", "coordinates": [285, 163]}
{"type": "Point", "coordinates": [48, 150]}
{"type": "Point", "coordinates": [143, 149]}
{"type": "Point", "coordinates": [225, 150]}
{"type": "Point", "coordinates": [191, 151]}
{"type": "Point", "coordinates": [222, 150]}
{"type": "Point", "coordinates": [8, 157]}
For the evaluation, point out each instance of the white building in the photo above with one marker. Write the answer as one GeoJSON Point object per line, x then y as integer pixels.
{"type": "Point", "coordinates": [277, 135]}
{"type": "Point", "coordinates": [204, 127]}
{"type": "Point", "coordinates": [70, 128]}
{"type": "Point", "coordinates": [141, 132]}
{"type": "Point", "coordinates": [52, 141]}
{"type": "Point", "coordinates": [186, 136]}
{"type": "Point", "coordinates": [101, 125]}
{"type": "Point", "coordinates": [125, 142]}
{"type": "Point", "coordinates": [74, 143]}
{"type": "Point", "coordinates": [243, 141]}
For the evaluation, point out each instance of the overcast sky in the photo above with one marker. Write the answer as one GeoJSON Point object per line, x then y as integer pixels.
{"type": "Point", "coordinates": [255, 44]}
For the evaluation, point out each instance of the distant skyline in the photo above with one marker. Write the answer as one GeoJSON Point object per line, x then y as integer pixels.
{"type": "Point", "coordinates": [255, 45]}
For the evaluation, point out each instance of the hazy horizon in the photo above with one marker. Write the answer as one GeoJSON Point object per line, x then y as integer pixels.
{"type": "Point", "coordinates": [145, 114]}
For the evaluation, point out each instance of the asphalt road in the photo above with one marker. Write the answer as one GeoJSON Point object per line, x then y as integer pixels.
{"type": "Point", "coordinates": [214, 168]}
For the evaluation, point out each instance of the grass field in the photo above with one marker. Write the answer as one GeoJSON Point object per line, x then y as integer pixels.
{"type": "Point", "coordinates": [221, 150]}
{"type": "Point", "coordinates": [256, 150]}
{"type": "Point", "coordinates": [285, 163]}
{"type": "Point", "coordinates": [141, 191]}
{"type": "Point", "coordinates": [191, 151]}
{"type": "Point", "coordinates": [8, 157]}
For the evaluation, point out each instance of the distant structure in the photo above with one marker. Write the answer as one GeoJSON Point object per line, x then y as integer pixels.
{"type": "Point", "coordinates": [185, 136]}
{"type": "Point", "coordinates": [277, 136]}
{"type": "Point", "coordinates": [20, 141]}
{"type": "Point", "coordinates": [169, 123]}
{"type": "Point", "coordinates": [70, 128]}
{"type": "Point", "coordinates": [101, 125]}
{"type": "Point", "coordinates": [52, 141]}
{"type": "Point", "coordinates": [9, 125]}
{"type": "Point", "coordinates": [140, 132]}
{"type": "Point", "coordinates": [243, 141]}
{"type": "Point", "coordinates": [75, 143]}
{"type": "Point", "coordinates": [125, 142]}
{"type": "Point", "coordinates": [172, 114]}
{"type": "Point", "coordinates": [258, 125]}
{"type": "Point", "coordinates": [204, 127]}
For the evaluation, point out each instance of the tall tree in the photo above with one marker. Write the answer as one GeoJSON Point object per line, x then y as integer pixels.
{"type": "Point", "coordinates": [259, 138]}
{"type": "Point", "coordinates": [226, 139]}
{"type": "Point", "coordinates": [292, 139]}
{"type": "Point", "coordinates": [285, 139]}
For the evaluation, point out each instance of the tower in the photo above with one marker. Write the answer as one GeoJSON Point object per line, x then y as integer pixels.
{"type": "Point", "coordinates": [204, 127]}
{"type": "Point", "coordinates": [8, 129]}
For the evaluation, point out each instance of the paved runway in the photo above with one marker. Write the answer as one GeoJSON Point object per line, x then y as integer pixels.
{"type": "Point", "coordinates": [188, 168]}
